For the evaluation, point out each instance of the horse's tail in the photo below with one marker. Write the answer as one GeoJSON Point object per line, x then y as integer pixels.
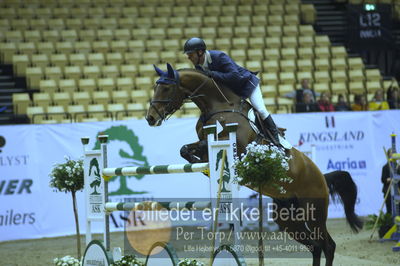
{"type": "Point", "coordinates": [341, 184]}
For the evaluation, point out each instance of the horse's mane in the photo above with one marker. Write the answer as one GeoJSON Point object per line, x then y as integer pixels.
{"type": "Point", "coordinates": [222, 86]}
{"type": "Point", "coordinates": [193, 70]}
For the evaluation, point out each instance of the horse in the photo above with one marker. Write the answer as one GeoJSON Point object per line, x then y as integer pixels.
{"type": "Point", "coordinates": [309, 187]}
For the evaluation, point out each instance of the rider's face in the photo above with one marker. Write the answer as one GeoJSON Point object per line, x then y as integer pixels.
{"type": "Point", "coordinates": [195, 58]}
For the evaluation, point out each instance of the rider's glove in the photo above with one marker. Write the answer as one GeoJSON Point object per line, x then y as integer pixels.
{"type": "Point", "coordinates": [208, 73]}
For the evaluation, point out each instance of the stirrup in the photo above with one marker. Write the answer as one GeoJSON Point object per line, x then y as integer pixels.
{"type": "Point", "coordinates": [272, 138]}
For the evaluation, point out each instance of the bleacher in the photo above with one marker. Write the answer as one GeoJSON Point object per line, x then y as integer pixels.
{"type": "Point", "coordinates": [91, 60]}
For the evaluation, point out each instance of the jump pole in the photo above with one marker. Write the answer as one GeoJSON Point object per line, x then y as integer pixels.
{"type": "Point", "coordinates": [98, 206]}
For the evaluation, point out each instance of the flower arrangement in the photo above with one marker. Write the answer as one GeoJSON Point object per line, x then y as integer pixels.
{"type": "Point", "coordinates": [128, 260]}
{"type": "Point", "coordinates": [263, 164]}
{"type": "Point", "coordinates": [69, 177]}
{"type": "Point", "coordinates": [189, 262]}
{"type": "Point", "coordinates": [66, 261]}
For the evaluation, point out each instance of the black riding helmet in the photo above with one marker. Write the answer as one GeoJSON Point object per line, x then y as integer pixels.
{"type": "Point", "coordinates": [193, 45]}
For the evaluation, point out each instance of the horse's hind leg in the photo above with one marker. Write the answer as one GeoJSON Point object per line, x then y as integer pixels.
{"type": "Point", "coordinates": [317, 227]}
{"type": "Point", "coordinates": [298, 229]}
{"type": "Point", "coordinates": [328, 246]}
{"type": "Point", "coordinates": [331, 247]}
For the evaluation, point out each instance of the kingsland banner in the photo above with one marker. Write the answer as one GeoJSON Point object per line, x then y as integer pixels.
{"type": "Point", "coordinates": [29, 208]}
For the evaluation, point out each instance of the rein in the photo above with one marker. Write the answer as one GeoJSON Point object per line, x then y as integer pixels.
{"type": "Point", "coordinates": [223, 95]}
{"type": "Point", "coordinates": [193, 94]}
{"type": "Point", "coordinates": [171, 107]}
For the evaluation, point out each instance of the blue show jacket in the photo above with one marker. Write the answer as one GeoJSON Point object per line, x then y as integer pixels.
{"type": "Point", "coordinates": [223, 69]}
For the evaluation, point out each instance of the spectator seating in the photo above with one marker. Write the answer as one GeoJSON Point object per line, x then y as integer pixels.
{"type": "Point", "coordinates": [94, 58]}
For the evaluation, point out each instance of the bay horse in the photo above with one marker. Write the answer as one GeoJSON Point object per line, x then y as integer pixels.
{"type": "Point", "coordinates": [309, 188]}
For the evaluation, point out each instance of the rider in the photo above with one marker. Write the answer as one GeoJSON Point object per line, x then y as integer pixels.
{"type": "Point", "coordinates": [221, 67]}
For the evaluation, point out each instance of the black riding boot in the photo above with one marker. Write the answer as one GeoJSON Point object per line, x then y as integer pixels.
{"type": "Point", "coordinates": [270, 125]}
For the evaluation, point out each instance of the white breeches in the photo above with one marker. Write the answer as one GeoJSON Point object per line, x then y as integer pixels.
{"type": "Point", "coordinates": [257, 101]}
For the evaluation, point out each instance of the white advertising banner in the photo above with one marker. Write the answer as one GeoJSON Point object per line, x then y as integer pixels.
{"type": "Point", "coordinates": [29, 208]}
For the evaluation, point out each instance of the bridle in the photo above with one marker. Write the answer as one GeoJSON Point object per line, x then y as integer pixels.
{"type": "Point", "coordinates": [172, 104]}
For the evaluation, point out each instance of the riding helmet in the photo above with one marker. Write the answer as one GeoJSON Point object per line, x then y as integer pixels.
{"type": "Point", "coordinates": [194, 44]}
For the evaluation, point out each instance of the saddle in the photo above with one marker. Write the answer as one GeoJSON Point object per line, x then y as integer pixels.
{"type": "Point", "coordinates": [257, 125]}
{"type": "Point", "coordinates": [263, 133]}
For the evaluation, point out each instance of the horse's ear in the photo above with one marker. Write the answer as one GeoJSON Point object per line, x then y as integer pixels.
{"type": "Point", "coordinates": [159, 71]}
{"type": "Point", "coordinates": [171, 72]}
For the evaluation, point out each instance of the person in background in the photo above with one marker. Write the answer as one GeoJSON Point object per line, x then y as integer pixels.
{"type": "Point", "coordinates": [393, 97]}
{"type": "Point", "coordinates": [360, 104]}
{"type": "Point", "coordinates": [297, 95]}
{"type": "Point", "coordinates": [378, 103]}
{"type": "Point", "coordinates": [342, 105]}
{"type": "Point", "coordinates": [324, 103]}
{"type": "Point", "coordinates": [307, 105]}
{"type": "Point", "coordinates": [385, 179]}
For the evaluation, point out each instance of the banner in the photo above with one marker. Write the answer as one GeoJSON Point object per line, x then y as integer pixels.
{"type": "Point", "coordinates": [349, 141]}
{"type": "Point", "coordinates": [29, 208]}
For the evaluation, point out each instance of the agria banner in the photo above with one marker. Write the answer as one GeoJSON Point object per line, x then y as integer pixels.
{"type": "Point", "coordinates": [29, 208]}
{"type": "Point", "coordinates": [349, 141]}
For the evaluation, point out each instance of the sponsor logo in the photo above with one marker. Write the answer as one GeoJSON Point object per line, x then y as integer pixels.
{"type": "Point", "coordinates": [331, 136]}
{"type": "Point", "coordinates": [15, 186]}
{"type": "Point", "coordinates": [2, 142]}
{"type": "Point", "coordinates": [329, 121]}
{"type": "Point", "coordinates": [11, 160]}
{"type": "Point", "coordinates": [17, 160]}
{"type": "Point", "coordinates": [226, 173]}
{"type": "Point", "coordinates": [11, 217]}
{"type": "Point", "coordinates": [131, 156]}
{"type": "Point", "coordinates": [346, 165]}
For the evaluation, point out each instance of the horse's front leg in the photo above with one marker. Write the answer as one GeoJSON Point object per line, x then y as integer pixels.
{"type": "Point", "coordinates": [195, 152]}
